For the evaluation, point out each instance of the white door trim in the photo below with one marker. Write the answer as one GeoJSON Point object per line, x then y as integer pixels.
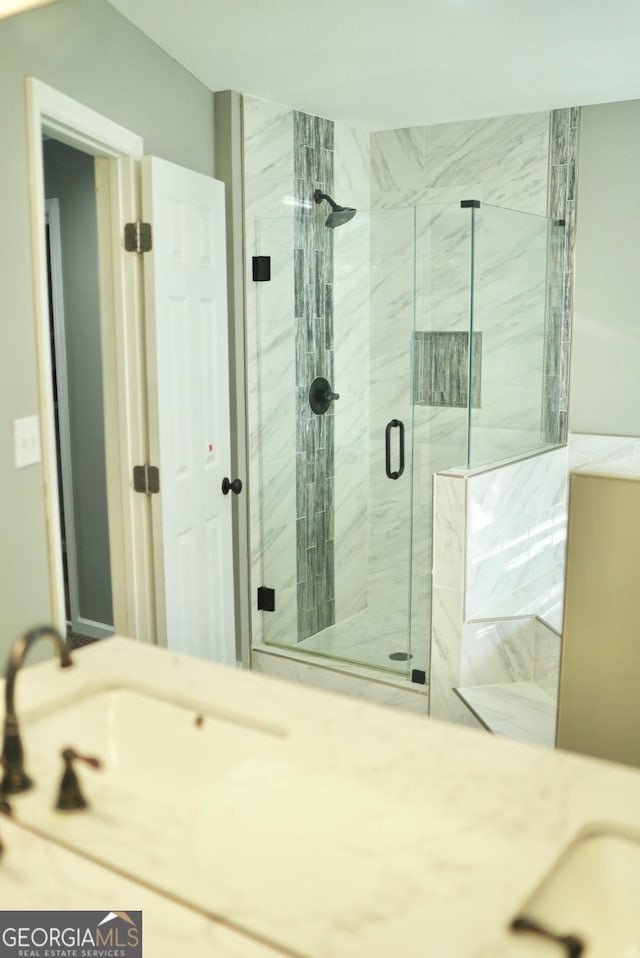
{"type": "Point", "coordinates": [51, 112]}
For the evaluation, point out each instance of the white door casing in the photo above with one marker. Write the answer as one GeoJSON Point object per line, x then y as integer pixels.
{"type": "Point", "coordinates": [55, 114]}
{"type": "Point", "coordinates": [189, 413]}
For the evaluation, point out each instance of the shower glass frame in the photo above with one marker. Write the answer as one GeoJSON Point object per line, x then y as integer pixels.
{"type": "Point", "coordinates": [411, 289]}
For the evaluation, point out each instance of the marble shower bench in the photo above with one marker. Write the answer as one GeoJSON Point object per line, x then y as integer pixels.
{"type": "Point", "coordinates": [509, 673]}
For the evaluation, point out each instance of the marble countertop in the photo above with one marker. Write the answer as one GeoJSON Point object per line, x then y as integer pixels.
{"type": "Point", "coordinates": [452, 827]}
{"type": "Point", "coordinates": [39, 875]}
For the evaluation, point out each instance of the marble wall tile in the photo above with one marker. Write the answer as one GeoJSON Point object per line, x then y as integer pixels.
{"type": "Point", "coordinates": [507, 155]}
{"type": "Point", "coordinates": [509, 308]}
{"type": "Point", "coordinates": [446, 648]}
{"type": "Point", "coordinates": [498, 651]}
{"type": "Point", "coordinates": [546, 669]}
{"type": "Point", "coordinates": [352, 164]}
{"type": "Point", "coordinates": [516, 526]}
{"type": "Point", "coordinates": [384, 693]}
{"type": "Point", "coordinates": [443, 268]}
{"type": "Point", "coordinates": [279, 626]}
{"type": "Point", "coordinates": [447, 599]}
{"type": "Point", "coordinates": [267, 198]}
{"type": "Point", "coordinates": [593, 450]}
{"type": "Point", "coordinates": [351, 339]}
{"type": "Point", "coordinates": [268, 138]}
{"type": "Point", "coordinates": [541, 596]}
{"type": "Point", "coordinates": [428, 197]}
{"type": "Point", "coordinates": [389, 544]}
{"type": "Point", "coordinates": [495, 446]}
{"type": "Point", "coordinates": [449, 523]}
{"type": "Point", "coordinates": [397, 159]}
{"type": "Point", "coordinates": [445, 431]}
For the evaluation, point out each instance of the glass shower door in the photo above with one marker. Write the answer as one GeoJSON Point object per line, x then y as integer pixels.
{"type": "Point", "coordinates": [334, 444]}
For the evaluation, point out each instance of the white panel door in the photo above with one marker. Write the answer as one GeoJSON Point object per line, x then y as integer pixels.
{"type": "Point", "coordinates": [188, 379]}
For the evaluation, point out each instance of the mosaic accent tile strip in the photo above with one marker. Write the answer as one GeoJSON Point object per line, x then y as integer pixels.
{"type": "Point", "coordinates": [441, 368]}
{"type": "Point", "coordinates": [313, 282]}
{"type": "Point", "coordinates": [563, 150]}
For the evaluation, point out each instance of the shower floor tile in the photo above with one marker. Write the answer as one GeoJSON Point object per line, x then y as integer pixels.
{"type": "Point", "coordinates": [369, 639]}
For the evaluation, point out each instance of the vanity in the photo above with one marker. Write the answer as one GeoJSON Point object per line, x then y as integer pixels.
{"type": "Point", "coordinates": [247, 816]}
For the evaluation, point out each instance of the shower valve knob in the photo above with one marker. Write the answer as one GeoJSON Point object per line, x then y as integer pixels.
{"type": "Point", "coordinates": [321, 395]}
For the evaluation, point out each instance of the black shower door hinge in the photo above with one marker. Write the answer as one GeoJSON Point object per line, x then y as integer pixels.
{"type": "Point", "coordinates": [419, 676]}
{"type": "Point", "coordinates": [146, 479]}
{"type": "Point", "coordinates": [266, 599]}
{"type": "Point", "coordinates": [261, 269]}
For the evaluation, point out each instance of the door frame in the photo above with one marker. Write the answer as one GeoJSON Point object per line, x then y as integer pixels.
{"type": "Point", "coordinates": [79, 624]}
{"type": "Point", "coordinates": [117, 152]}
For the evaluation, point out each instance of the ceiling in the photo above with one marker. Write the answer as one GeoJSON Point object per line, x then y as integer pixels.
{"type": "Point", "coordinates": [381, 64]}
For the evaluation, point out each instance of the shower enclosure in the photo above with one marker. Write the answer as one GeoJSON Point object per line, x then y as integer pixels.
{"type": "Point", "coordinates": [406, 341]}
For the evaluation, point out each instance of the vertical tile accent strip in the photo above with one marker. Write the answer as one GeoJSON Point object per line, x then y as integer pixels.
{"type": "Point", "coordinates": [563, 154]}
{"type": "Point", "coordinates": [313, 258]}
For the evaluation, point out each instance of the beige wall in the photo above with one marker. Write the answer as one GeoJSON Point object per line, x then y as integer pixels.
{"type": "Point", "coordinates": [87, 50]}
{"type": "Point", "coordinates": [604, 396]}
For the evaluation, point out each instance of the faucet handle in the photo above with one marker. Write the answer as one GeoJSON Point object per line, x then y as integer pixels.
{"type": "Point", "coordinates": [70, 797]}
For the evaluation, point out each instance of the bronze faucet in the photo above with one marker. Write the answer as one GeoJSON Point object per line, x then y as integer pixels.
{"type": "Point", "coordinates": [70, 797]}
{"type": "Point", "coordinates": [15, 779]}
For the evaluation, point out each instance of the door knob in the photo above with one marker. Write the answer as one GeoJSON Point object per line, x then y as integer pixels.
{"type": "Point", "coordinates": [235, 487]}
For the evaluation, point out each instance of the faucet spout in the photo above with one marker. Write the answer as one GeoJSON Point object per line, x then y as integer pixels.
{"type": "Point", "coordinates": [15, 778]}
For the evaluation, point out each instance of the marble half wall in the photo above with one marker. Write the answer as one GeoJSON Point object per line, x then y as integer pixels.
{"type": "Point", "coordinates": [516, 530]}
{"type": "Point", "coordinates": [499, 542]}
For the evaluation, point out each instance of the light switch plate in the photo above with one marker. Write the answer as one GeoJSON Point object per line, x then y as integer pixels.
{"type": "Point", "coordinates": [26, 441]}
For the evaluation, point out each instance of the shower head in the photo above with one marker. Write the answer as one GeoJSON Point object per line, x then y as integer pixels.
{"type": "Point", "coordinates": [338, 214]}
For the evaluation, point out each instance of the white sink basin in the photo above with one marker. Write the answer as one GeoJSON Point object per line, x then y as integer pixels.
{"type": "Point", "coordinates": [593, 893]}
{"type": "Point", "coordinates": [145, 742]}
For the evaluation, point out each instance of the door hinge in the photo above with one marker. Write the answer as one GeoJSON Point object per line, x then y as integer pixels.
{"type": "Point", "coordinates": [146, 479]}
{"type": "Point", "coordinates": [137, 237]}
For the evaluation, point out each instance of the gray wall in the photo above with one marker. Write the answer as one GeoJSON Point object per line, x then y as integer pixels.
{"type": "Point", "coordinates": [87, 50]}
{"type": "Point", "coordinates": [69, 177]}
{"type": "Point", "coordinates": [604, 396]}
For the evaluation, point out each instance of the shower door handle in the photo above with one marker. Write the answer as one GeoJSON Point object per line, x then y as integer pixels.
{"type": "Point", "coordinates": [393, 424]}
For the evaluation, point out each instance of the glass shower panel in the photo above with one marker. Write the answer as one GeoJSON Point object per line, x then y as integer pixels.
{"type": "Point", "coordinates": [507, 334]}
{"type": "Point", "coordinates": [335, 528]}
{"type": "Point", "coordinates": [439, 386]}
{"type": "Point", "coordinates": [273, 448]}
